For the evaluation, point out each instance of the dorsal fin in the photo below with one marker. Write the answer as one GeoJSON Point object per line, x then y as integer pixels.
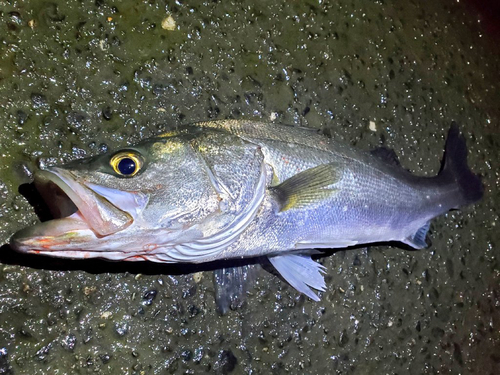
{"type": "Point", "coordinates": [386, 154]}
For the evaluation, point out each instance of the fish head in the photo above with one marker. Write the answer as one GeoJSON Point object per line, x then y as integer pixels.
{"type": "Point", "coordinates": [111, 205]}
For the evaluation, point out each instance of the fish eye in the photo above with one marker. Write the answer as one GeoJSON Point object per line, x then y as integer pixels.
{"type": "Point", "coordinates": [126, 163]}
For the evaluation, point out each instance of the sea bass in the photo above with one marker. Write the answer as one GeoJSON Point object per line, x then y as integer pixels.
{"type": "Point", "coordinates": [239, 189]}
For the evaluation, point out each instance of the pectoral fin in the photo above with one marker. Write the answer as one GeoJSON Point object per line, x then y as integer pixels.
{"type": "Point", "coordinates": [301, 272]}
{"type": "Point", "coordinates": [307, 187]}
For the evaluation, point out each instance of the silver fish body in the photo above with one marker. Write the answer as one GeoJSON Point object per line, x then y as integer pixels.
{"type": "Point", "coordinates": [235, 189]}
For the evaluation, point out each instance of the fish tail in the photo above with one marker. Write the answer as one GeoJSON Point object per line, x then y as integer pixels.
{"type": "Point", "coordinates": [454, 169]}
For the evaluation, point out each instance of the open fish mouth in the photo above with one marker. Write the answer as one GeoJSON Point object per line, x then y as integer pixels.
{"type": "Point", "coordinates": [81, 211]}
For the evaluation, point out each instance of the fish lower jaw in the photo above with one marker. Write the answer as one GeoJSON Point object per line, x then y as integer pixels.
{"type": "Point", "coordinates": [28, 243]}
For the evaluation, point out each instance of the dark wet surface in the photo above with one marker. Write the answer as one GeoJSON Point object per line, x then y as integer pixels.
{"type": "Point", "coordinates": [78, 79]}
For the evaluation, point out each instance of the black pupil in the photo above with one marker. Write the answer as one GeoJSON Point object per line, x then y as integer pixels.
{"type": "Point", "coordinates": [126, 166]}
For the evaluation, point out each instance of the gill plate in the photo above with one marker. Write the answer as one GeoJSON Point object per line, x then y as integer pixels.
{"type": "Point", "coordinates": [210, 246]}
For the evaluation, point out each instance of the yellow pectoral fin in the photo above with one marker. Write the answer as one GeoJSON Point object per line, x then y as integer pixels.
{"type": "Point", "coordinates": [307, 187]}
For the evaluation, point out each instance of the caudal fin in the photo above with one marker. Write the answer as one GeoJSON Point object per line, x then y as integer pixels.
{"type": "Point", "coordinates": [454, 169]}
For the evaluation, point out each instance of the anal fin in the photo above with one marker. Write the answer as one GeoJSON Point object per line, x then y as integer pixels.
{"type": "Point", "coordinates": [418, 239]}
{"type": "Point", "coordinates": [301, 272]}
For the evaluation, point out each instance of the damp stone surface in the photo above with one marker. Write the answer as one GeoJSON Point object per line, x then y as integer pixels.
{"type": "Point", "coordinates": [79, 78]}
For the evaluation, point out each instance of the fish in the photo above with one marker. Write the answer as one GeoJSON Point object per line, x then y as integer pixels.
{"type": "Point", "coordinates": [235, 189]}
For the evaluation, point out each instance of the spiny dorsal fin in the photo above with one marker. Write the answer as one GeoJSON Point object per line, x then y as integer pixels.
{"type": "Point", "coordinates": [386, 154]}
{"type": "Point", "coordinates": [307, 187]}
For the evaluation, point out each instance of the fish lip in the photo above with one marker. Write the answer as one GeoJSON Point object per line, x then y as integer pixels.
{"type": "Point", "coordinates": [102, 216]}
{"type": "Point", "coordinates": [95, 216]}
{"type": "Point", "coordinates": [42, 180]}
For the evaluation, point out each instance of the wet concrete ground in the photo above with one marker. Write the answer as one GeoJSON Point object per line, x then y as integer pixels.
{"type": "Point", "coordinates": [77, 79]}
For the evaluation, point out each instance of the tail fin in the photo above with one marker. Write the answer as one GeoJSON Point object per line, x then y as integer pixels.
{"type": "Point", "coordinates": [454, 168]}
